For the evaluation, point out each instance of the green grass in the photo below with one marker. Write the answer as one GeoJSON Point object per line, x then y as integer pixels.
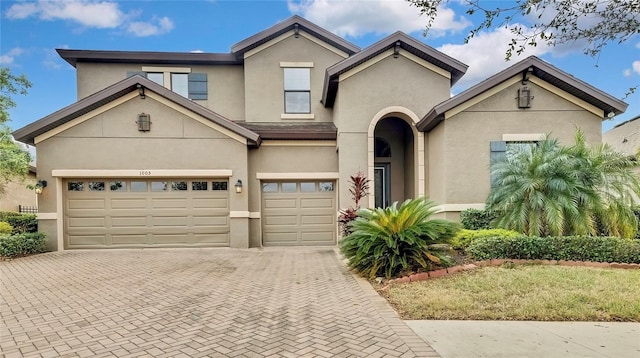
{"type": "Point", "coordinates": [528, 292]}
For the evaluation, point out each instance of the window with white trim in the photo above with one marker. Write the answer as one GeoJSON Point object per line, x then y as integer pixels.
{"type": "Point", "coordinates": [187, 84]}
{"type": "Point", "coordinates": [297, 90]}
{"type": "Point", "coordinates": [500, 151]}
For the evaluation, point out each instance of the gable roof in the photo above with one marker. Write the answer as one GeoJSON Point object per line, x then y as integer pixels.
{"type": "Point", "coordinates": [294, 131]}
{"type": "Point", "coordinates": [407, 43]}
{"type": "Point", "coordinates": [537, 68]}
{"type": "Point", "coordinates": [154, 58]}
{"type": "Point", "coordinates": [290, 24]}
{"type": "Point", "coordinates": [28, 133]}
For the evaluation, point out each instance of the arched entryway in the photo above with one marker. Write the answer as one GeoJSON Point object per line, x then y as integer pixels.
{"type": "Point", "coordinates": [393, 174]}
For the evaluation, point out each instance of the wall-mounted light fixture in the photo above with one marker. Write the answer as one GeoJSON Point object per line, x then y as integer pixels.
{"type": "Point", "coordinates": [144, 122]}
{"type": "Point", "coordinates": [141, 91]}
{"type": "Point", "coordinates": [296, 31]}
{"type": "Point", "coordinates": [238, 186]}
{"type": "Point", "coordinates": [525, 75]}
{"type": "Point", "coordinates": [40, 185]}
{"type": "Point", "coordinates": [396, 50]}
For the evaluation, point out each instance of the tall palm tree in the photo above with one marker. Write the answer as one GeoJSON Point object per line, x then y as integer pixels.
{"type": "Point", "coordinates": [549, 189]}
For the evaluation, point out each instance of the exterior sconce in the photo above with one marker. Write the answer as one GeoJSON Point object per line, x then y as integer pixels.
{"type": "Point", "coordinates": [238, 186]}
{"type": "Point", "coordinates": [144, 122]}
{"type": "Point", "coordinates": [396, 50]}
{"type": "Point", "coordinates": [141, 92]}
{"type": "Point", "coordinates": [40, 186]}
{"type": "Point", "coordinates": [524, 97]}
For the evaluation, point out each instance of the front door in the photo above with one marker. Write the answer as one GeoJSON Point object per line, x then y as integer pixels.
{"type": "Point", "coordinates": [381, 184]}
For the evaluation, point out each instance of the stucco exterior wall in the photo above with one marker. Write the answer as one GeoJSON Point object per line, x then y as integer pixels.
{"type": "Point", "coordinates": [281, 157]}
{"type": "Point", "coordinates": [264, 78]}
{"type": "Point", "coordinates": [111, 141]}
{"type": "Point", "coordinates": [625, 137]}
{"type": "Point", "coordinates": [16, 193]}
{"type": "Point", "coordinates": [466, 137]}
{"type": "Point", "coordinates": [225, 84]}
{"type": "Point", "coordinates": [364, 94]}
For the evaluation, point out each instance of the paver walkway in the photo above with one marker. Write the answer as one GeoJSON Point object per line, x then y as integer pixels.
{"type": "Point", "coordinates": [293, 302]}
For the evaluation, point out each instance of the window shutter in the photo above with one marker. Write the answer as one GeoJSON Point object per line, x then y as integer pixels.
{"type": "Point", "coordinates": [197, 86]}
{"type": "Point", "coordinates": [497, 154]}
{"type": "Point", "coordinates": [133, 73]}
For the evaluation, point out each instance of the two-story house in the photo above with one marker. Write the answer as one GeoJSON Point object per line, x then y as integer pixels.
{"type": "Point", "coordinates": [255, 147]}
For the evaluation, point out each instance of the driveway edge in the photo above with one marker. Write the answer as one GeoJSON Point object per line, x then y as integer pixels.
{"type": "Point", "coordinates": [417, 345]}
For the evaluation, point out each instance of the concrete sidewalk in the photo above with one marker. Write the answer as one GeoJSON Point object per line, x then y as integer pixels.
{"type": "Point", "coordinates": [522, 339]}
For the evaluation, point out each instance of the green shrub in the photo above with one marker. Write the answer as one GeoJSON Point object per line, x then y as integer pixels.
{"type": "Point", "coordinates": [395, 239]}
{"type": "Point", "coordinates": [475, 219]}
{"type": "Point", "coordinates": [5, 228]}
{"type": "Point", "coordinates": [21, 223]}
{"type": "Point", "coordinates": [465, 237]}
{"type": "Point", "coordinates": [22, 244]}
{"type": "Point", "coordinates": [578, 248]}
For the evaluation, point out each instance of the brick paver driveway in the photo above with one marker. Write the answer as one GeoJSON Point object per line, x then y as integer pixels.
{"type": "Point", "coordinates": [295, 302]}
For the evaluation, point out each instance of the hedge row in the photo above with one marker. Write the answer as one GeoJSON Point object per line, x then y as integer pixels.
{"type": "Point", "coordinates": [22, 244]}
{"type": "Point", "coordinates": [21, 223]}
{"type": "Point", "coordinates": [576, 248]}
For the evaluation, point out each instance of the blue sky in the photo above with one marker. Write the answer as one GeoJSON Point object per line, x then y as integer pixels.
{"type": "Point", "coordinates": [30, 32]}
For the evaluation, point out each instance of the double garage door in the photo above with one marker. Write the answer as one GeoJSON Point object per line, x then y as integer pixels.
{"type": "Point", "coordinates": [298, 213]}
{"type": "Point", "coordinates": [101, 213]}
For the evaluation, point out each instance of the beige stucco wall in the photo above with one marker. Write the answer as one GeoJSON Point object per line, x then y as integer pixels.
{"type": "Point", "coordinates": [294, 158]}
{"type": "Point", "coordinates": [391, 82]}
{"type": "Point", "coordinates": [16, 193]}
{"type": "Point", "coordinates": [111, 140]}
{"type": "Point", "coordinates": [625, 137]}
{"type": "Point", "coordinates": [459, 147]}
{"type": "Point", "coordinates": [264, 78]}
{"type": "Point", "coordinates": [225, 84]}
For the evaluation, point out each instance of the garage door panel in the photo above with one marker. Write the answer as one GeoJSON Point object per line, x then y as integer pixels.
{"type": "Point", "coordinates": [86, 204]}
{"type": "Point", "coordinates": [87, 240]}
{"type": "Point", "coordinates": [169, 203]}
{"type": "Point", "coordinates": [281, 220]}
{"type": "Point", "coordinates": [129, 221]}
{"type": "Point", "coordinates": [316, 219]}
{"type": "Point", "coordinates": [316, 203]}
{"type": "Point", "coordinates": [221, 239]}
{"type": "Point", "coordinates": [128, 239]}
{"type": "Point", "coordinates": [317, 237]}
{"type": "Point", "coordinates": [210, 203]}
{"type": "Point", "coordinates": [276, 237]}
{"type": "Point", "coordinates": [86, 222]}
{"type": "Point", "coordinates": [280, 203]}
{"type": "Point", "coordinates": [170, 239]}
{"type": "Point", "coordinates": [125, 218]}
{"type": "Point", "coordinates": [130, 203]}
{"type": "Point", "coordinates": [210, 221]}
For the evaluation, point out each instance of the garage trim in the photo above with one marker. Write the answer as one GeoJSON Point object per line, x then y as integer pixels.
{"type": "Point", "coordinates": [144, 173]}
{"type": "Point", "coordinates": [299, 176]}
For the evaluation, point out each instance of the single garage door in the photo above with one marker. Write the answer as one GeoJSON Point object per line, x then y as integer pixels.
{"type": "Point", "coordinates": [298, 213]}
{"type": "Point", "coordinates": [103, 213]}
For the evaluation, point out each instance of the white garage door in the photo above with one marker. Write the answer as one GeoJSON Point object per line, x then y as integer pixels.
{"type": "Point", "coordinates": [298, 213]}
{"type": "Point", "coordinates": [103, 213]}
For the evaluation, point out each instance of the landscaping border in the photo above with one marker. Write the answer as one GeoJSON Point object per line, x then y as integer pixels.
{"type": "Point", "coordinates": [423, 276]}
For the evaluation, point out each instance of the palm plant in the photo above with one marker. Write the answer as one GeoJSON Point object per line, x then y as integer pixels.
{"type": "Point", "coordinates": [549, 189]}
{"type": "Point", "coordinates": [387, 241]}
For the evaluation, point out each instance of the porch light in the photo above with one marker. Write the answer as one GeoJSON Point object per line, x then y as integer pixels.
{"type": "Point", "coordinates": [144, 122]}
{"type": "Point", "coordinates": [40, 185]}
{"type": "Point", "coordinates": [238, 186]}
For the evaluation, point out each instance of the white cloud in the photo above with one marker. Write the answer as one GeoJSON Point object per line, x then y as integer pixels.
{"type": "Point", "coordinates": [627, 72]}
{"type": "Point", "coordinates": [9, 57]}
{"type": "Point", "coordinates": [157, 26]}
{"type": "Point", "coordinates": [87, 13]}
{"type": "Point", "coordinates": [356, 18]}
{"type": "Point", "coordinates": [91, 14]}
{"type": "Point", "coordinates": [485, 55]}
{"type": "Point", "coordinates": [636, 67]}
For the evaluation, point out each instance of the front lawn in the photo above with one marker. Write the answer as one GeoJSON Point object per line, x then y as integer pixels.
{"type": "Point", "coordinates": [523, 292]}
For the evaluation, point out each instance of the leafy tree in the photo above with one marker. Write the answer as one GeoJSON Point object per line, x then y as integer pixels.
{"type": "Point", "coordinates": [549, 189]}
{"type": "Point", "coordinates": [388, 241]}
{"type": "Point", "coordinates": [14, 162]}
{"type": "Point", "coordinates": [553, 22]}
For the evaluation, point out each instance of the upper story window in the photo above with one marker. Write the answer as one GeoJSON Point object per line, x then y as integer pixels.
{"type": "Point", "coordinates": [297, 90]}
{"type": "Point", "coordinates": [180, 80]}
